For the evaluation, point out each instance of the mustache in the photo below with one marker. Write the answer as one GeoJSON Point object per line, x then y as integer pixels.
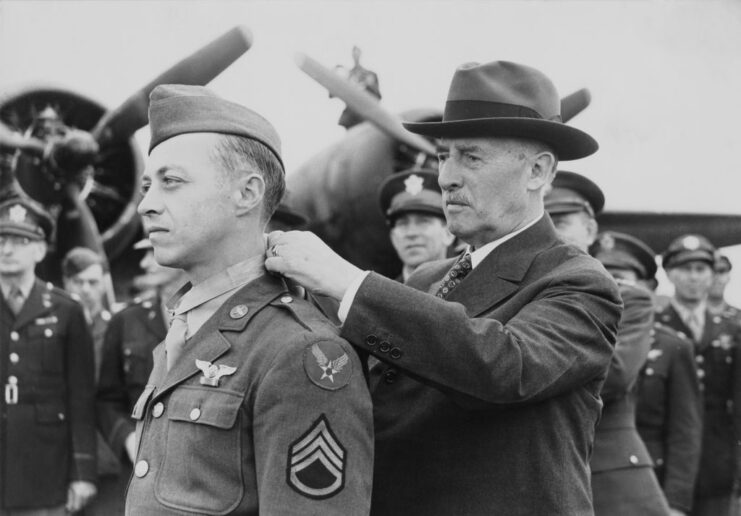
{"type": "Point", "coordinates": [455, 198]}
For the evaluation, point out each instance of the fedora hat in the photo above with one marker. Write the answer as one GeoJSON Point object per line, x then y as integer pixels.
{"type": "Point", "coordinates": [506, 100]}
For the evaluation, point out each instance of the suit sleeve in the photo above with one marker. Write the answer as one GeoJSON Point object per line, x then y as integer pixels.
{"type": "Point", "coordinates": [559, 340]}
{"type": "Point", "coordinates": [112, 403]}
{"type": "Point", "coordinates": [634, 336]}
{"type": "Point", "coordinates": [296, 421]}
{"type": "Point", "coordinates": [684, 430]}
{"type": "Point", "coordinates": [80, 368]}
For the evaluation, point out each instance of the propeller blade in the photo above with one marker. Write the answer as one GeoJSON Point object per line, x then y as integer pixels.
{"type": "Point", "coordinates": [659, 229]}
{"type": "Point", "coordinates": [197, 69]}
{"type": "Point", "coordinates": [362, 103]}
{"type": "Point", "coordinates": [14, 140]}
{"type": "Point", "coordinates": [572, 105]}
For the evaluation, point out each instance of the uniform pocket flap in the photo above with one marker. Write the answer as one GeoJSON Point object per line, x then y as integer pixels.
{"type": "Point", "coordinates": [50, 412]}
{"type": "Point", "coordinates": [206, 406]}
{"type": "Point", "coordinates": [141, 403]}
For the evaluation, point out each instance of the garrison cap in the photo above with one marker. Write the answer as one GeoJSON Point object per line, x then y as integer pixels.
{"type": "Point", "coordinates": [25, 217]}
{"type": "Point", "coordinates": [722, 263]}
{"type": "Point", "coordinates": [415, 190]}
{"type": "Point", "coordinates": [623, 251]}
{"type": "Point", "coordinates": [689, 248]}
{"type": "Point", "coordinates": [571, 192]}
{"type": "Point", "coordinates": [176, 109]}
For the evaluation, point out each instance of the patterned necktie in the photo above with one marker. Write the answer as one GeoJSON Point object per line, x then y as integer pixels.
{"type": "Point", "coordinates": [175, 339]}
{"type": "Point", "coordinates": [15, 300]}
{"type": "Point", "coordinates": [454, 276]}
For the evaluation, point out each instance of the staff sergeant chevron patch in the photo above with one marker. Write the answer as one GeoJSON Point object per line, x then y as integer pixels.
{"type": "Point", "coordinates": [316, 462]}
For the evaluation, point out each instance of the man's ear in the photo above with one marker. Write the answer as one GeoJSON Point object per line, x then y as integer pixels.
{"type": "Point", "coordinates": [592, 230]}
{"type": "Point", "coordinates": [249, 193]}
{"type": "Point", "coordinates": [40, 250]}
{"type": "Point", "coordinates": [542, 170]}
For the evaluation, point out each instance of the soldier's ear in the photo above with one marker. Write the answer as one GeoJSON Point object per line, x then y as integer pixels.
{"type": "Point", "coordinates": [248, 193]}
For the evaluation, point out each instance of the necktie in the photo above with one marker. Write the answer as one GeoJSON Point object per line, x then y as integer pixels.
{"type": "Point", "coordinates": [454, 276]}
{"type": "Point", "coordinates": [693, 323]}
{"type": "Point", "coordinates": [175, 338]}
{"type": "Point", "coordinates": [15, 300]}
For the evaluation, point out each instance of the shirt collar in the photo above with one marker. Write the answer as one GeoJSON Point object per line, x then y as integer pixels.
{"type": "Point", "coordinates": [239, 274]}
{"type": "Point", "coordinates": [26, 285]}
{"type": "Point", "coordinates": [685, 312]}
{"type": "Point", "coordinates": [478, 255]}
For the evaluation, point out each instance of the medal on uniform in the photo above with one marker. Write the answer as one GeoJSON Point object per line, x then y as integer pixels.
{"type": "Point", "coordinates": [212, 373]}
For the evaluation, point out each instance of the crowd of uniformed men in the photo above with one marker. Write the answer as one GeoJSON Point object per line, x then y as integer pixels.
{"type": "Point", "coordinates": [511, 375]}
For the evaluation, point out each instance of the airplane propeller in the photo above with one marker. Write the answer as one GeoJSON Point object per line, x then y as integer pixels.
{"type": "Point", "coordinates": [60, 162]}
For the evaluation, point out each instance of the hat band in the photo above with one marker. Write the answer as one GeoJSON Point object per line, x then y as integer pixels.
{"type": "Point", "coordinates": [472, 109]}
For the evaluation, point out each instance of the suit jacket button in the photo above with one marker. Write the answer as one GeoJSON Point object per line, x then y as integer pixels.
{"type": "Point", "coordinates": [14, 336]}
{"type": "Point", "coordinates": [371, 340]}
{"type": "Point", "coordinates": [141, 468]}
{"type": "Point", "coordinates": [633, 460]}
{"type": "Point", "coordinates": [384, 346]}
{"type": "Point", "coordinates": [699, 359]}
{"type": "Point", "coordinates": [14, 358]}
{"type": "Point", "coordinates": [389, 376]}
{"type": "Point", "coordinates": [396, 353]}
{"type": "Point", "coordinates": [700, 373]}
{"type": "Point", "coordinates": [649, 372]}
{"type": "Point", "coordinates": [158, 409]}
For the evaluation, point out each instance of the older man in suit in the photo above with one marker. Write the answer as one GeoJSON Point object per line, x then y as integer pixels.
{"type": "Point", "coordinates": [488, 390]}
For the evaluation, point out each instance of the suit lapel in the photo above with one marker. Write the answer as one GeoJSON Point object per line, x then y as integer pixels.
{"type": "Point", "coordinates": [498, 276]}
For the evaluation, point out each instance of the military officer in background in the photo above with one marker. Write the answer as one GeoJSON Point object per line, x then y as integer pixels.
{"type": "Point", "coordinates": [717, 304]}
{"type": "Point", "coordinates": [689, 262]}
{"type": "Point", "coordinates": [412, 203]}
{"type": "Point", "coordinates": [668, 404]}
{"type": "Point", "coordinates": [254, 404]}
{"type": "Point", "coordinates": [47, 436]}
{"type": "Point", "coordinates": [83, 273]}
{"type": "Point", "coordinates": [126, 362]}
{"type": "Point", "coordinates": [623, 481]}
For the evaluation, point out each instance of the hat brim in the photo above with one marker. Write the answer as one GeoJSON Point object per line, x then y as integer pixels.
{"type": "Point", "coordinates": [568, 142]}
{"type": "Point", "coordinates": [394, 214]}
{"type": "Point", "coordinates": [16, 231]}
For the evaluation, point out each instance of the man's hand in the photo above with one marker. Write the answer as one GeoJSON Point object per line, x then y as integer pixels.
{"type": "Point", "coordinates": [79, 494]}
{"type": "Point", "coordinates": [304, 258]}
{"type": "Point", "coordinates": [130, 445]}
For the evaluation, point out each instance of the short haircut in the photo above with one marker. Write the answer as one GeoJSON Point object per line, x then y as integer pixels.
{"type": "Point", "coordinates": [236, 153]}
{"type": "Point", "coordinates": [79, 259]}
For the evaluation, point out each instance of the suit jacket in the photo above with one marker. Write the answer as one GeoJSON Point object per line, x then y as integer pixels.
{"type": "Point", "coordinates": [486, 402]}
{"type": "Point", "coordinates": [47, 438]}
{"type": "Point", "coordinates": [669, 414]}
{"type": "Point", "coordinates": [126, 363]}
{"type": "Point", "coordinates": [718, 358]}
{"type": "Point", "coordinates": [288, 431]}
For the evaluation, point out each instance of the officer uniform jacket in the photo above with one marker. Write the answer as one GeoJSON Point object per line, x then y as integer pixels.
{"type": "Point", "coordinates": [718, 370]}
{"type": "Point", "coordinates": [668, 414]}
{"type": "Point", "coordinates": [623, 481]}
{"type": "Point", "coordinates": [126, 363]}
{"type": "Point", "coordinates": [47, 437]}
{"type": "Point", "coordinates": [486, 402]}
{"type": "Point", "coordinates": [288, 431]}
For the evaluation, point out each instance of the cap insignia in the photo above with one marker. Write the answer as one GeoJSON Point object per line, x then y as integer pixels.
{"type": "Point", "coordinates": [691, 243]}
{"type": "Point", "coordinates": [413, 184]}
{"type": "Point", "coordinates": [607, 242]}
{"type": "Point", "coordinates": [17, 213]}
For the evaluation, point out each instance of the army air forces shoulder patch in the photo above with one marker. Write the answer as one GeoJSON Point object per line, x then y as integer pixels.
{"type": "Point", "coordinates": [316, 462]}
{"type": "Point", "coordinates": [327, 365]}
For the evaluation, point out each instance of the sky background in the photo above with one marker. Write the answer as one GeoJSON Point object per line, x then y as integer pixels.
{"type": "Point", "coordinates": [665, 76]}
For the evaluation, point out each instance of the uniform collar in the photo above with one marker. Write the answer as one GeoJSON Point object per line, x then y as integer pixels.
{"type": "Point", "coordinates": [25, 285]}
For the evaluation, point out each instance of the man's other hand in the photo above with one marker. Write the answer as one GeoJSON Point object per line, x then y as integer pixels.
{"type": "Point", "coordinates": [79, 494]}
{"type": "Point", "coordinates": [305, 258]}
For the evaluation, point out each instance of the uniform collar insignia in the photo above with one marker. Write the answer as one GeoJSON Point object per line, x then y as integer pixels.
{"type": "Point", "coordinates": [413, 184]}
{"type": "Point", "coordinates": [212, 373]}
{"type": "Point", "coordinates": [654, 354]}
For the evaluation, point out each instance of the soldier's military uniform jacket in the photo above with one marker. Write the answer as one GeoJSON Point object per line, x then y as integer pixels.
{"type": "Point", "coordinates": [669, 416]}
{"type": "Point", "coordinates": [47, 437]}
{"type": "Point", "coordinates": [718, 360]}
{"type": "Point", "coordinates": [486, 402]}
{"type": "Point", "coordinates": [623, 481]}
{"type": "Point", "coordinates": [276, 417]}
{"type": "Point", "coordinates": [126, 363]}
